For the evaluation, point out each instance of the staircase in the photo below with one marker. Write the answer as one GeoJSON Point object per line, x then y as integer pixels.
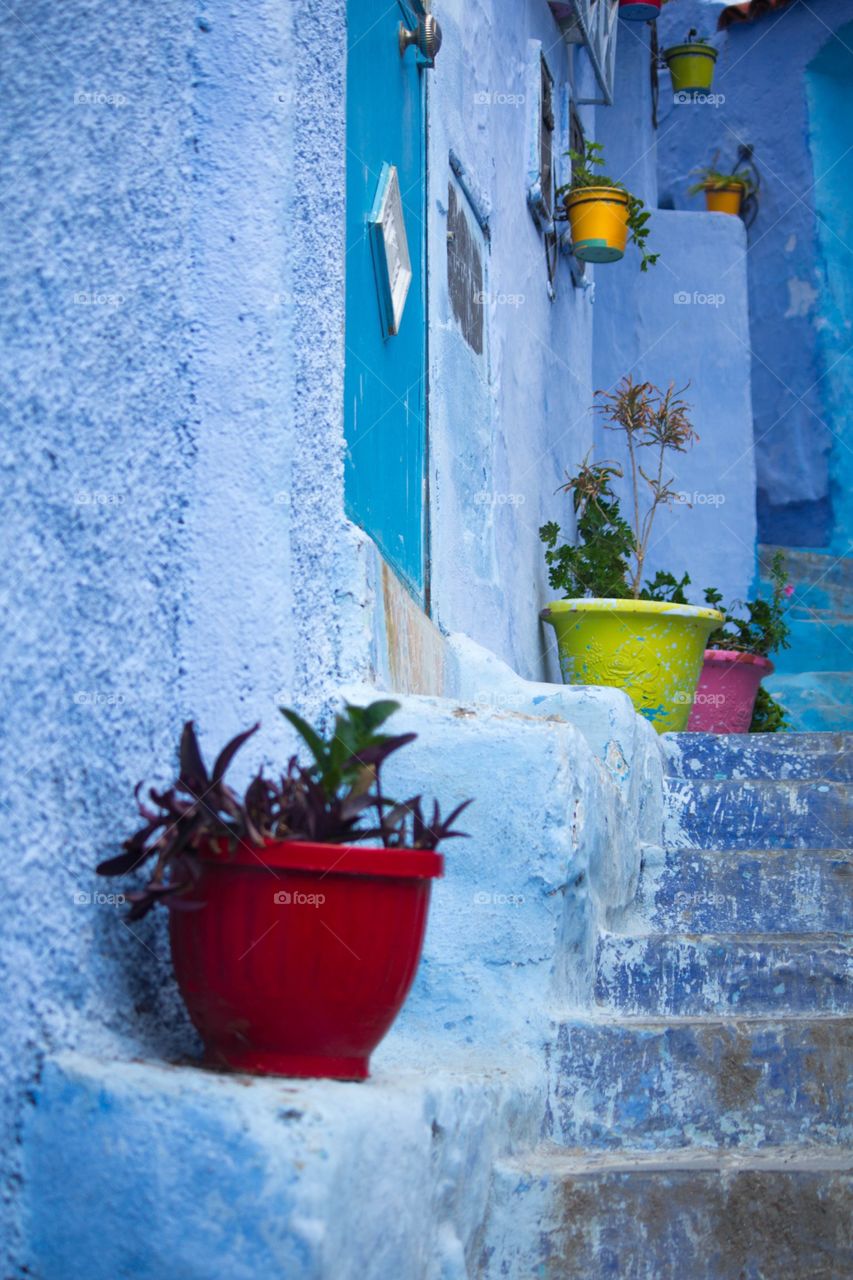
{"type": "Point", "coordinates": [702, 1118]}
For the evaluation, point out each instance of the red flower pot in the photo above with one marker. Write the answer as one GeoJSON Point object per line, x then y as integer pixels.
{"type": "Point", "coordinates": [297, 957]}
{"type": "Point", "coordinates": [639, 10]}
{"type": "Point", "coordinates": [726, 693]}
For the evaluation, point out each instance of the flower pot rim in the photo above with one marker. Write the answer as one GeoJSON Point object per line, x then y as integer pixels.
{"type": "Point", "coordinates": [699, 48]}
{"type": "Point", "coordinates": [724, 186]}
{"type": "Point", "coordinates": [327, 859]}
{"type": "Point", "coordinates": [613, 195]}
{"type": "Point", "coordinates": [603, 604]}
{"type": "Point", "coordinates": [739, 655]}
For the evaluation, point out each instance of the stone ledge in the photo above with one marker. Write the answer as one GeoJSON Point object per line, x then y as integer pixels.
{"type": "Point", "coordinates": [148, 1170]}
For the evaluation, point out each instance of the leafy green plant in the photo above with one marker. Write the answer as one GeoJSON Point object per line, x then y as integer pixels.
{"type": "Point", "coordinates": [768, 716]}
{"type": "Point", "coordinates": [327, 801]}
{"type": "Point", "coordinates": [710, 178]}
{"type": "Point", "coordinates": [609, 558]}
{"type": "Point", "coordinates": [764, 630]}
{"type": "Point", "coordinates": [586, 172]}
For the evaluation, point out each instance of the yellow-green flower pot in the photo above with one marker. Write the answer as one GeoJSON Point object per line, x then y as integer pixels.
{"type": "Point", "coordinates": [651, 650]}
{"type": "Point", "coordinates": [691, 66]}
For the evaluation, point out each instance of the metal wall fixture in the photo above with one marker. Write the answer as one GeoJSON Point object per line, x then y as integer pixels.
{"type": "Point", "coordinates": [749, 204]}
{"type": "Point", "coordinates": [425, 36]}
{"type": "Point", "coordinates": [592, 24]}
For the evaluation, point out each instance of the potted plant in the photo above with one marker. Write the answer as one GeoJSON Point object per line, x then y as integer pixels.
{"type": "Point", "coordinates": [602, 212]}
{"type": "Point", "coordinates": [297, 913]}
{"type": "Point", "coordinates": [691, 65]}
{"type": "Point", "coordinates": [639, 10]}
{"type": "Point", "coordinates": [612, 627]}
{"type": "Point", "coordinates": [738, 658]}
{"type": "Point", "coordinates": [724, 192]}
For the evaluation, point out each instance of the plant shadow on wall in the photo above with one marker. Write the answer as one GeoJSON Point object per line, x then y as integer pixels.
{"type": "Point", "coordinates": [617, 627]}
{"type": "Point", "coordinates": [297, 913]}
{"type": "Point", "coordinates": [614, 628]}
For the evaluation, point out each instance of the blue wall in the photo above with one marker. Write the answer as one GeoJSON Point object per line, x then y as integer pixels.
{"type": "Point", "coordinates": [682, 321]}
{"type": "Point", "coordinates": [829, 91]}
{"type": "Point", "coordinates": [761, 78]}
{"type": "Point", "coordinates": [174, 260]}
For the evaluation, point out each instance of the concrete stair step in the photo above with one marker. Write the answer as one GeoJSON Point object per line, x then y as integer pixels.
{"type": "Point", "coordinates": [649, 1084]}
{"type": "Point", "coordinates": [759, 755]}
{"type": "Point", "coordinates": [755, 891]}
{"type": "Point", "coordinates": [759, 814]}
{"type": "Point", "coordinates": [674, 1215]}
{"type": "Point", "coordinates": [689, 974]}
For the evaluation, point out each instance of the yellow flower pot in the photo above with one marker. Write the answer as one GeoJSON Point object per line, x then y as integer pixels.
{"type": "Point", "coordinates": [723, 199]}
{"type": "Point", "coordinates": [652, 651]}
{"type": "Point", "coordinates": [691, 66]}
{"type": "Point", "coordinates": [598, 217]}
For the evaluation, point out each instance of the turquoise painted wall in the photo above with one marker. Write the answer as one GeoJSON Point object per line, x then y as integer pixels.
{"type": "Point", "coordinates": [829, 91]}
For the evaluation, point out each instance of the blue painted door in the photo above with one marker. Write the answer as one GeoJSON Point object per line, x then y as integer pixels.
{"type": "Point", "coordinates": [385, 381]}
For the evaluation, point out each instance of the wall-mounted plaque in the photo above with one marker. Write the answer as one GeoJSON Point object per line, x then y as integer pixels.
{"type": "Point", "coordinates": [391, 260]}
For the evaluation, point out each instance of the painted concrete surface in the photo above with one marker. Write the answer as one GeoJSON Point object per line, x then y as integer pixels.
{"type": "Point", "coordinates": [812, 678]}
{"type": "Point", "coordinates": [507, 423]}
{"type": "Point", "coordinates": [683, 321]}
{"type": "Point", "coordinates": [638, 1084]}
{"type": "Point", "coordinates": [663, 1216]}
{"type": "Point", "coordinates": [289, 1179]}
{"type": "Point", "coordinates": [800, 454]}
{"type": "Point", "coordinates": [459, 1083]}
{"type": "Point", "coordinates": [701, 1111]}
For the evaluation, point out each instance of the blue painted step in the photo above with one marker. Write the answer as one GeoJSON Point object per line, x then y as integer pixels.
{"type": "Point", "coordinates": [760, 755]}
{"type": "Point", "coordinates": [686, 975]}
{"type": "Point", "coordinates": [763, 891]}
{"type": "Point", "coordinates": [761, 814]}
{"type": "Point", "coordinates": [779, 1214]}
{"type": "Point", "coordinates": [644, 1084]}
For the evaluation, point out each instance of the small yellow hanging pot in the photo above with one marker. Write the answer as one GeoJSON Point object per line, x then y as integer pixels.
{"type": "Point", "coordinates": [598, 217]}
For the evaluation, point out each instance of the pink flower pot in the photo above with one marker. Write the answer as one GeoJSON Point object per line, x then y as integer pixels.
{"type": "Point", "coordinates": [726, 693]}
{"type": "Point", "coordinates": [639, 10]}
